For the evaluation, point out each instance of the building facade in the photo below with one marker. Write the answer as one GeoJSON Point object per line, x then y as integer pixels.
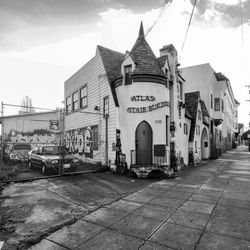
{"type": "Point", "coordinates": [215, 89]}
{"type": "Point", "coordinates": [127, 107]}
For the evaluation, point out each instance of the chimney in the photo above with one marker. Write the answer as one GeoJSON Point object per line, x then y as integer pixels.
{"type": "Point", "coordinates": [168, 49]}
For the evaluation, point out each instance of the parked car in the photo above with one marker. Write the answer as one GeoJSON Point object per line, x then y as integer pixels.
{"type": "Point", "coordinates": [19, 153]}
{"type": "Point", "coordinates": [51, 157]}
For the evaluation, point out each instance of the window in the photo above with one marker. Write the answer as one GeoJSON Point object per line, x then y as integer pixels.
{"type": "Point", "coordinates": [220, 135]}
{"type": "Point", "coordinates": [68, 105]}
{"type": "Point", "coordinates": [199, 115]}
{"type": "Point", "coordinates": [94, 143]}
{"type": "Point", "coordinates": [127, 71]}
{"type": "Point", "coordinates": [106, 105]}
{"type": "Point", "coordinates": [222, 105]}
{"type": "Point", "coordinates": [83, 97]}
{"type": "Point", "coordinates": [217, 104]}
{"type": "Point", "coordinates": [181, 91]}
{"type": "Point", "coordinates": [198, 130]}
{"type": "Point", "coordinates": [212, 104]}
{"type": "Point", "coordinates": [75, 101]}
{"type": "Point", "coordinates": [185, 129]}
{"type": "Point", "coordinates": [195, 145]}
{"type": "Point", "coordinates": [167, 126]}
{"type": "Point", "coordinates": [236, 113]}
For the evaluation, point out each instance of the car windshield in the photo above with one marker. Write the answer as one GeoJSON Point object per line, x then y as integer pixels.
{"type": "Point", "coordinates": [22, 147]}
{"type": "Point", "coordinates": [51, 150]}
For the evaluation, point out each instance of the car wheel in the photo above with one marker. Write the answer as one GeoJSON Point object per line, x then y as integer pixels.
{"type": "Point", "coordinates": [44, 170]}
{"type": "Point", "coordinates": [30, 165]}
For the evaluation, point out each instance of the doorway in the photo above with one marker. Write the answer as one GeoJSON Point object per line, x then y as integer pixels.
{"type": "Point", "coordinates": [143, 144]}
{"type": "Point", "coordinates": [204, 144]}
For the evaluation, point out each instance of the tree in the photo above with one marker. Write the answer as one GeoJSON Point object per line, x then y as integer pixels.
{"type": "Point", "coordinates": [26, 105]}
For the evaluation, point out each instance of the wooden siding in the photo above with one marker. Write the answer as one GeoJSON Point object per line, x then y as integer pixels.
{"type": "Point", "coordinates": [93, 74]}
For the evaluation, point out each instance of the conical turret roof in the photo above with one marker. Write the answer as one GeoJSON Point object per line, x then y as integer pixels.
{"type": "Point", "coordinates": [145, 60]}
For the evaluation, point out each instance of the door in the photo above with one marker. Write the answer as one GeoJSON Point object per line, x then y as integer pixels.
{"type": "Point", "coordinates": [204, 145]}
{"type": "Point", "coordinates": [143, 140]}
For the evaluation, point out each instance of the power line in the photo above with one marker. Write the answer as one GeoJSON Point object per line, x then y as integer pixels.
{"type": "Point", "coordinates": [241, 21]}
{"type": "Point", "coordinates": [162, 11]}
{"type": "Point", "coordinates": [23, 106]}
{"type": "Point", "coordinates": [189, 23]}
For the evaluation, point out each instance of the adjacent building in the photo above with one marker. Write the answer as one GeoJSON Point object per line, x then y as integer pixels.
{"type": "Point", "coordinates": [215, 89]}
{"type": "Point", "coordinates": [32, 128]}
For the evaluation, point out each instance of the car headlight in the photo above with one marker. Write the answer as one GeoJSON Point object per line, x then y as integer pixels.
{"type": "Point", "coordinates": [49, 162]}
{"type": "Point", "coordinates": [54, 161]}
{"type": "Point", "coordinates": [75, 160]}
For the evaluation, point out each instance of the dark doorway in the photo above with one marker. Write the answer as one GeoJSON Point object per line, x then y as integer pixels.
{"type": "Point", "coordinates": [143, 144]}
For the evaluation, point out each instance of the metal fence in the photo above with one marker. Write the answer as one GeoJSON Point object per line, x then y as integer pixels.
{"type": "Point", "coordinates": [35, 145]}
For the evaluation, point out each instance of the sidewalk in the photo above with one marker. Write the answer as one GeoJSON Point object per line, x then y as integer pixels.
{"type": "Point", "coordinates": [207, 207]}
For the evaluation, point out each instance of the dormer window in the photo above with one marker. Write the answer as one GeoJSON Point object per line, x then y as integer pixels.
{"type": "Point", "coordinates": [127, 71]}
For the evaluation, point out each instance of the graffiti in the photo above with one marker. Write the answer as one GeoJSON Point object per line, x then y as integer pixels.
{"type": "Point", "coordinates": [38, 136]}
{"type": "Point", "coordinates": [79, 141]}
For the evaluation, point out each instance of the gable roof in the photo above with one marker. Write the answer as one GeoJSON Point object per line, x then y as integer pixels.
{"type": "Point", "coordinates": [236, 102]}
{"type": "Point", "coordinates": [220, 77]}
{"type": "Point", "coordinates": [112, 61]}
{"type": "Point", "coordinates": [145, 60]}
{"type": "Point", "coordinates": [204, 109]}
{"type": "Point", "coordinates": [191, 101]}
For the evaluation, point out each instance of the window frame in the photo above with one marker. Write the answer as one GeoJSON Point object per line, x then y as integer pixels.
{"type": "Point", "coordinates": [82, 98]}
{"type": "Point", "coordinates": [185, 128]}
{"type": "Point", "coordinates": [127, 74]}
{"type": "Point", "coordinates": [75, 101]}
{"type": "Point", "coordinates": [105, 98]}
{"type": "Point", "coordinates": [68, 105]}
{"type": "Point", "coordinates": [217, 103]}
{"type": "Point", "coordinates": [199, 115]}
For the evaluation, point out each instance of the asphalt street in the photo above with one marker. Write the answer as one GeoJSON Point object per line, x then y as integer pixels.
{"type": "Point", "coordinates": [206, 207]}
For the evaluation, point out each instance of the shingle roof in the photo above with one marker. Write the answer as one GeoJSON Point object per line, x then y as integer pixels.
{"type": "Point", "coordinates": [220, 77]}
{"type": "Point", "coordinates": [162, 60]}
{"type": "Point", "coordinates": [236, 101]}
{"type": "Point", "coordinates": [112, 61]}
{"type": "Point", "coordinates": [204, 109]}
{"type": "Point", "coordinates": [191, 101]}
{"type": "Point", "coordinates": [145, 60]}
{"type": "Point", "coordinates": [188, 113]}
{"type": "Point", "coordinates": [204, 113]}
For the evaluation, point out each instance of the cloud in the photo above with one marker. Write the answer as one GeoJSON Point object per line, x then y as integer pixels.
{"type": "Point", "coordinates": [226, 13]}
{"type": "Point", "coordinates": [33, 22]}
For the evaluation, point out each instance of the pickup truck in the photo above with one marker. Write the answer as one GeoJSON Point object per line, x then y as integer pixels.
{"type": "Point", "coordinates": [51, 157]}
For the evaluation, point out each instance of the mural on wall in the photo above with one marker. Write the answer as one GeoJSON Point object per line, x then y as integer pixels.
{"type": "Point", "coordinates": [38, 136]}
{"type": "Point", "coordinates": [79, 141]}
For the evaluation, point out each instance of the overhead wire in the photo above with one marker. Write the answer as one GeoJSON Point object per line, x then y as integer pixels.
{"type": "Point", "coordinates": [163, 9]}
{"type": "Point", "coordinates": [241, 21]}
{"type": "Point", "coordinates": [189, 24]}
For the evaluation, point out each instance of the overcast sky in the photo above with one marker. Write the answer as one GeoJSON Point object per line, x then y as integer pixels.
{"type": "Point", "coordinates": [43, 42]}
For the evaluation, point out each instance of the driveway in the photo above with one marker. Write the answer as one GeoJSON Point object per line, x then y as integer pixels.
{"type": "Point", "coordinates": [207, 207]}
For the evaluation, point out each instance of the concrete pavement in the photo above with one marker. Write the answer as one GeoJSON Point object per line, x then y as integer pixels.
{"type": "Point", "coordinates": [207, 207]}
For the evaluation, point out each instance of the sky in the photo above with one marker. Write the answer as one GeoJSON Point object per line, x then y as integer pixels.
{"type": "Point", "coordinates": [44, 42]}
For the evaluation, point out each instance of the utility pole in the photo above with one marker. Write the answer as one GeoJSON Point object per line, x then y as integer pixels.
{"type": "Point", "coordinates": [2, 134]}
{"type": "Point", "coordinates": [106, 116]}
